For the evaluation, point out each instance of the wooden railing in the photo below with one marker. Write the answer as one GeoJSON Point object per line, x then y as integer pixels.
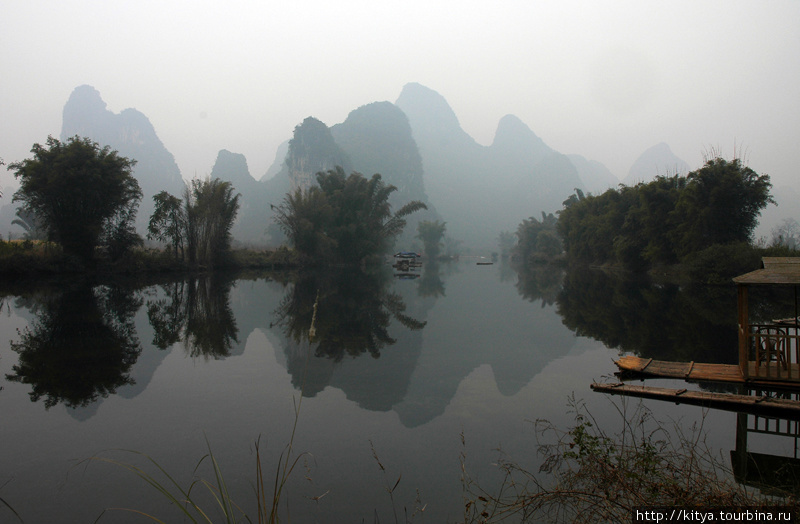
{"type": "Point", "coordinates": [774, 352]}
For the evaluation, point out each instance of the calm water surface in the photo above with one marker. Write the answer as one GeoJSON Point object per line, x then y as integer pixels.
{"type": "Point", "coordinates": [399, 368]}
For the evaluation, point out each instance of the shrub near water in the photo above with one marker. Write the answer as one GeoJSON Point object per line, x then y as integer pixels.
{"type": "Point", "coordinates": [593, 476]}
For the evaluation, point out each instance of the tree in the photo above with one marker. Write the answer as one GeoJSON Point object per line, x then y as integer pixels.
{"type": "Point", "coordinates": [786, 234]}
{"type": "Point", "coordinates": [199, 224]}
{"type": "Point", "coordinates": [119, 234]}
{"type": "Point", "coordinates": [211, 209]}
{"type": "Point", "coordinates": [720, 205]}
{"type": "Point", "coordinates": [74, 188]}
{"type": "Point", "coordinates": [431, 234]}
{"type": "Point", "coordinates": [666, 220]}
{"type": "Point", "coordinates": [304, 216]}
{"type": "Point", "coordinates": [168, 222]}
{"type": "Point", "coordinates": [345, 219]}
{"type": "Point", "coordinates": [537, 241]}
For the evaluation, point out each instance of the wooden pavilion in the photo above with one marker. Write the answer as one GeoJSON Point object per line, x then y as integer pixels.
{"type": "Point", "coordinates": [769, 351]}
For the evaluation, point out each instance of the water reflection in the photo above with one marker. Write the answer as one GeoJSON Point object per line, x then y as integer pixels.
{"type": "Point", "coordinates": [196, 311]}
{"type": "Point", "coordinates": [664, 322]}
{"type": "Point", "coordinates": [774, 473]}
{"type": "Point", "coordinates": [431, 284]}
{"type": "Point", "coordinates": [541, 282]}
{"type": "Point", "coordinates": [80, 346]}
{"type": "Point", "coordinates": [343, 312]}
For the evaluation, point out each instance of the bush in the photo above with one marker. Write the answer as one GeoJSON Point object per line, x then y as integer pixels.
{"type": "Point", "coordinates": [718, 264]}
{"type": "Point", "coordinates": [595, 476]}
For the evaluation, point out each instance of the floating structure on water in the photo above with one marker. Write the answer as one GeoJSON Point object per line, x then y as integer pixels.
{"type": "Point", "coordinates": [769, 353]}
{"type": "Point", "coordinates": [762, 404]}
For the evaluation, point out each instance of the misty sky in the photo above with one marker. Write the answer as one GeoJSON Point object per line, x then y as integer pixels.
{"type": "Point", "coordinates": [604, 79]}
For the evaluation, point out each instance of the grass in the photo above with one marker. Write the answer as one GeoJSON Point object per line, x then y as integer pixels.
{"type": "Point", "coordinates": [592, 476]}
{"type": "Point", "coordinates": [194, 506]}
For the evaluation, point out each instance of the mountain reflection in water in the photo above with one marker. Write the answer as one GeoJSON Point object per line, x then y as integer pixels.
{"type": "Point", "coordinates": [407, 364]}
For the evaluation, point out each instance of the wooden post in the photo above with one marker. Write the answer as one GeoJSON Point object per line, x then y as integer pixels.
{"type": "Point", "coordinates": [744, 330]}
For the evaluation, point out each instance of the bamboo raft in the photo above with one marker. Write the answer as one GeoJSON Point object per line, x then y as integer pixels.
{"type": "Point", "coordinates": [698, 371]}
{"type": "Point", "coordinates": [680, 370]}
{"type": "Point", "coordinates": [761, 405]}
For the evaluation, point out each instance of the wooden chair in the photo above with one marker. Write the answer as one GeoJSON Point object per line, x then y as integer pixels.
{"type": "Point", "coordinates": [771, 345]}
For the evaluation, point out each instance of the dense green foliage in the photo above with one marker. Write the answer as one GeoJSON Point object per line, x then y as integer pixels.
{"type": "Point", "coordinates": [431, 233]}
{"type": "Point", "coordinates": [168, 222]}
{"type": "Point", "coordinates": [200, 224]}
{"type": "Point", "coordinates": [537, 240]}
{"type": "Point", "coordinates": [82, 194]}
{"type": "Point", "coordinates": [666, 220]}
{"type": "Point", "coordinates": [343, 219]}
{"type": "Point", "coordinates": [211, 208]}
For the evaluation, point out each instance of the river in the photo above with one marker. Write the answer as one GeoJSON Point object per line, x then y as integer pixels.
{"type": "Point", "coordinates": [405, 379]}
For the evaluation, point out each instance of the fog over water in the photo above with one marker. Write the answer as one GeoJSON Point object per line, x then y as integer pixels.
{"type": "Point", "coordinates": [605, 80]}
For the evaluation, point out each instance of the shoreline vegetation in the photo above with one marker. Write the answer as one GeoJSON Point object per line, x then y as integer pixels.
{"type": "Point", "coordinates": [31, 258]}
{"type": "Point", "coordinates": [589, 472]}
{"type": "Point", "coordinates": [714, 266]}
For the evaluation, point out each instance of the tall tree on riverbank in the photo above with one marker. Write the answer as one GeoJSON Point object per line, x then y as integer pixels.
{"type": "Point", "coordinates": [75, 189]}
{"type": "Point", "coordinates": [211, 208]}
{"type": "Point", "coordinates": [343, 219]}
{"type": "Point", "coordinates": [200, 223]}
{"type": "Point", "coordinates": [168, 222]}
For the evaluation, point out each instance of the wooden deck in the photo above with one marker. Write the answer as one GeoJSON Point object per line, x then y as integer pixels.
{"type": "Point", "coordinates": [761, 405]}
{"type": "Point", "coordinates": [694, 371]}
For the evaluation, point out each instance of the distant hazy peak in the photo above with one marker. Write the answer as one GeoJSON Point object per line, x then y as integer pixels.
{"type": "Point", "coordinates": [657, 160]}
{"type": "Point", "coordinates": [85, 114]}
{"type": "Point", "coordinates": [377, 113]}
{"type": "Point", "coordinates": [86, 97]}
{"type": "Point", "coordinates": [132, 135]}
{"type": "Point", "coordinates": [229, 163]}
{"type": "Point", "coordinates": [511, 131]}
{"type": "Point", "coordinates": [312, 149]}
{"type": "Point", "coordinates": [429, 109]}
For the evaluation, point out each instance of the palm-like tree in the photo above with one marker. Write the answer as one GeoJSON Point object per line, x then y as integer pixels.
{"type": "Point", "coordinates": [345, 219]}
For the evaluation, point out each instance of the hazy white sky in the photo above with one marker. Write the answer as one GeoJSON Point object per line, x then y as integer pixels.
{"type": "Point", "coordinates": [605, 79]}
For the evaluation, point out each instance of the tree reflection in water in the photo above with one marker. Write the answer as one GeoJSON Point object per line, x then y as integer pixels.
{"type": "Point", "coordinates": [196, 311]}
{"type": "Point", "coordinates": [351, 312]}
{"type": "Point", "coordinates": [540, 282]}
{"type": "Point", "coordinates": [660, 321]}
{"type": "Point", "coordinates": [430, 283]}
{"type": "Point", "coordinates": [80, 346]}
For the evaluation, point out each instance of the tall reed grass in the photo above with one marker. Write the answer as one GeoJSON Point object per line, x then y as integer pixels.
{"type": "Point", "coordinates": [590, 475]}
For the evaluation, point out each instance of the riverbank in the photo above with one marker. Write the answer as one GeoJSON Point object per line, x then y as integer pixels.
{"type": "Point", "coordinates": [26, 258]}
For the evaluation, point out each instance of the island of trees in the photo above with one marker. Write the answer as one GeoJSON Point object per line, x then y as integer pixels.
{"type": "Point", "coordinates": [702, 222]}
